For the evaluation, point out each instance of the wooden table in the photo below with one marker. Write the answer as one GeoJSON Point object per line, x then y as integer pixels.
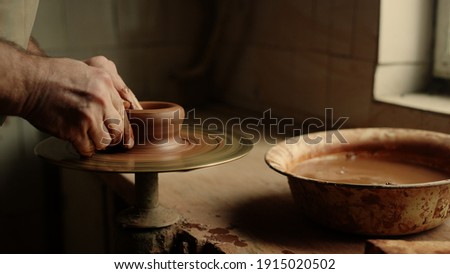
{"type": "Point", "coordinates": [246, 207]}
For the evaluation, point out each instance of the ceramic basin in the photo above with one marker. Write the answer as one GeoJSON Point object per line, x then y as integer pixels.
{"type": "Point", "coordinates": [366, 205]}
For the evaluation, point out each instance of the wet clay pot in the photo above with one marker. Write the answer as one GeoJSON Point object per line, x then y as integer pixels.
{"type": "Point", "coordinates": [157, 126]}
{"type": "Point", "coordinates": [369, 209]}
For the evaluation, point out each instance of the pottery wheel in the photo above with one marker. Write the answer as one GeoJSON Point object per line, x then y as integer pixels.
{"type": "Point", "coordinates": [199, 149]}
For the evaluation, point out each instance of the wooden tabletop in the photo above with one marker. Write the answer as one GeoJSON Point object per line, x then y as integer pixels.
{"type": "Point", "coordinates": [246, 207]}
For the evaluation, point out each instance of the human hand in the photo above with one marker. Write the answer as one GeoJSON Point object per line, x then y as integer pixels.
{"type": "Point", "coordinates": [109, 66]}
{"type": "Point", "coordinates": [130, 100]}
{"type": "Point", "coordinates": [78, 102]}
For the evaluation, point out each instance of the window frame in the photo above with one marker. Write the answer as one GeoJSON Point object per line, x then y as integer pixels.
{"type": "Point", "coordinates": [404, 68]}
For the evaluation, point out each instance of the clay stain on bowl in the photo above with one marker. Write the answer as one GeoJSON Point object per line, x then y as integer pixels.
{"type": "Point", "coordinates": [370, 199]}
{"type": "Point", "coordinates": [366, 168]}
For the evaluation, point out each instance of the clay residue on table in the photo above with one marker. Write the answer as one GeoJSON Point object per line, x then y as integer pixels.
{"type": "Point", "coordinates": [223, 235]}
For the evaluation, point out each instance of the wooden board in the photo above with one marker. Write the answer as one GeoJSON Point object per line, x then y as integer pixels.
{"type": "Point", "coordinates": [407, 247]}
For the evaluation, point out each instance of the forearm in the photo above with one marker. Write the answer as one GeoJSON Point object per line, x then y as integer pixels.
{"type": "Point", "coordinates": [64, 97]}
{"type": "Point", "coordinates": [18, 72]}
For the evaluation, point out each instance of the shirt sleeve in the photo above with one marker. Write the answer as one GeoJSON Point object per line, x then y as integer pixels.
{"type": "Point", "coordinates": [17, 19]}
{"type": "Point", "coordinates": [16, 22]}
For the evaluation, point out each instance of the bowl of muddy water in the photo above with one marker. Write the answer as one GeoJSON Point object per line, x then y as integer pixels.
{"type": "Point", "coordinates": [371, 181]}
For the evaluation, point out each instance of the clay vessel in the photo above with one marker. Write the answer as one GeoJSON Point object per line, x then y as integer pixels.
{"type": "Point", "coordinates": [369, 209]}
{"type": "Point", "coordinates": [157, 125]}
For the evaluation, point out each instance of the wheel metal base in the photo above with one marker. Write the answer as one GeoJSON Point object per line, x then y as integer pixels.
{"type": "Point", "coordinates": [147, 213]}
{"type": "Point", "coordinates": [157, 217]}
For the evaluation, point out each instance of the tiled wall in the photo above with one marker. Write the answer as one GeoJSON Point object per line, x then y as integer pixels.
{"type": "Point", "coordinates": [301, 56]}
{"type": "Point", "coordinates": [295, 56]}
{"type": "Point", "coordinates": [147, 39]}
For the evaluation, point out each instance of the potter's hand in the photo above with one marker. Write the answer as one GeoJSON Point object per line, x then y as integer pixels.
{"type": "Point", "coordinates": [77, 102]}
{"type": "Point", "coordinates": [108, 66]}
{"type": "Point", "coordinates": [130, 100]}
{"type": "Point", "coordinates": [64, 97]}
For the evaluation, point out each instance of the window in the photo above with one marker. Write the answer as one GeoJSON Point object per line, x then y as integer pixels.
{"type": "Point", "coordinates": [441, 67]}
{"type": "Point", "coordinates": [405, 65]}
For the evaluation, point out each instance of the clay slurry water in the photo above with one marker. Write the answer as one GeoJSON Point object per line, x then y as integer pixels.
{"type": "Point", "coordinates": [366, 169]}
